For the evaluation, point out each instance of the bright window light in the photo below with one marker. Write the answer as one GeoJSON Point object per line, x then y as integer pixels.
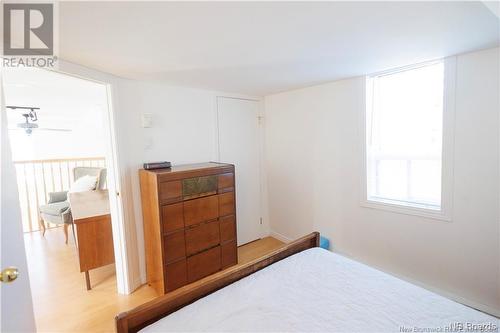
{"type": "Point", "coordinates": [404, 135]}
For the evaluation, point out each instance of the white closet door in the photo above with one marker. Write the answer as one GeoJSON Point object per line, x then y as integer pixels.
{"type": "Point", "coordinates": [239, 144]}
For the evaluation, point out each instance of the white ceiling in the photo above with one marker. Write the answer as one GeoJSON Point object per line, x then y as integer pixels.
{"type": "Point", "coordinates": [258, 48]}
{"type": "Point", "coordinates": [65, 102]}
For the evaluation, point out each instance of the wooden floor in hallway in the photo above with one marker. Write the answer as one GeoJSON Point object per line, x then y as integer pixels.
{"type": "Point", "coordinates": [60, 299]}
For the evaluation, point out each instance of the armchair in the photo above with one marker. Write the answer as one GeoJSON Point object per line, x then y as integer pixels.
{"type": "Point", "coordinates": [58, 211]}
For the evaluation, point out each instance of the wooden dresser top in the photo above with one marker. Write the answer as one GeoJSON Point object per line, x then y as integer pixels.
{"type": "Point", "coordinates": [189, 167]}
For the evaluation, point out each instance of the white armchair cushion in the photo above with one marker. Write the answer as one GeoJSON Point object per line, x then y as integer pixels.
{"type": "Point", "coordinates": [82, 184]}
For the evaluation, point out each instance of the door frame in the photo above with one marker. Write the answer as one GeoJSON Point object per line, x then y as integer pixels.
{"type": "Point", "coordinates": [264, 225]}
{"type": "Point", "coordinates": [114, 168]}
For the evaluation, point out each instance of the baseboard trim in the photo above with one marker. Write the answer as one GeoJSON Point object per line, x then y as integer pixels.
{"type": "Point", "coordinates": [135, 284]}
{"type": "Point", "coordinates": [280, 237]}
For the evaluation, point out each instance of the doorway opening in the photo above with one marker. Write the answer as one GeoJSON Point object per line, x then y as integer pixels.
{"type": "Point", "coordinates": [60, 135]}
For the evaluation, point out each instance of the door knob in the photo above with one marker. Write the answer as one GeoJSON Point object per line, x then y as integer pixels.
{"type": "Point", "coordinates": [9, 274]}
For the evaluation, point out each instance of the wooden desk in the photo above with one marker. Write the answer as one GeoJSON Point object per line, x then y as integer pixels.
{"type": "Point", "coordinates": [92, 220]}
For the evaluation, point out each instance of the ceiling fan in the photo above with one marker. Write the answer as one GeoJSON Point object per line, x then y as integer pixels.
{"type": "Point", "coordinates": [30, 118]}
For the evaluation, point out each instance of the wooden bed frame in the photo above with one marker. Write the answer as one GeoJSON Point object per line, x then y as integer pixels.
{"type": "Point", "coordinates": [146, 314]}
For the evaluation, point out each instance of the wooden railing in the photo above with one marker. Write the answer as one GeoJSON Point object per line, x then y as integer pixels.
{"type": "Point", "coordinates": [37, 178]}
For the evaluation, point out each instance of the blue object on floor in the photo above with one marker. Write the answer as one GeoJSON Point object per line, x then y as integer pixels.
{"type": "Point", "coordinates": [324, 243]}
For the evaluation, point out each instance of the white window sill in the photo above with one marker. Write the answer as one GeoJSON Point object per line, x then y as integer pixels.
{"type": "Point", "coordinates": [435, 214]}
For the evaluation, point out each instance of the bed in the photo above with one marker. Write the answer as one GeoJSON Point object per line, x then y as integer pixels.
{"type": "Point", "coordinates": [300, 288]}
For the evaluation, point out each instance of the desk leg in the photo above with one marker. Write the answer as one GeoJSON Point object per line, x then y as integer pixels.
{"type": "Point", "coordinates": [87, 280]}
{"type": "Point", "coordinates": [42, 226]}
{"type": "Point", "coordinates": [66, 233]}
{"type": "Point", "coordinates": [74, 235]}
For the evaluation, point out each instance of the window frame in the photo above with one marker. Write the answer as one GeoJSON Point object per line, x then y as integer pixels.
{"type": "Point", "coordinates": [447, 153]}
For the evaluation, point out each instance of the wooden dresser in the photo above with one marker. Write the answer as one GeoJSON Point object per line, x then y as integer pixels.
{"type": "Point", "coordinates": [189, 214]}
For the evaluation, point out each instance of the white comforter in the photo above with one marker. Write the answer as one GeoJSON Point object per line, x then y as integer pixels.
{"type": "Point", "coordinates": [318, 291]}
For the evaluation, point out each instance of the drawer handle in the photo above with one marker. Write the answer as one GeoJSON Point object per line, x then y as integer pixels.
{"type": "Point", "coordinates": [199, 224]}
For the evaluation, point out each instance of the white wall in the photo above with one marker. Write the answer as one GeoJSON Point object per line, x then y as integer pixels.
{"type": "Point", "coordinates": [183, 132]}
{"type": "Point", "coordinates": [313, 160]}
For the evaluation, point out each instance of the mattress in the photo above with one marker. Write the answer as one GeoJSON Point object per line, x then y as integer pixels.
{"type": "Point", "coordinates": [319, 291]}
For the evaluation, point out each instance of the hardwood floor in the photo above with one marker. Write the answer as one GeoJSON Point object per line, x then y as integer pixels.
{"type": "Point", "coordinates": [60, 300]}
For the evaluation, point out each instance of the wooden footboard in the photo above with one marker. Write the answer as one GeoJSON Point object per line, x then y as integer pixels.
{"type": "Point", "coordinates": [148, 313]}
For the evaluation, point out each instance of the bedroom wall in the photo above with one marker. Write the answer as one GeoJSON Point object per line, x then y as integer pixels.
{"type": "Point", "coordinates": [313, 162]}
{"type": "Point", "coordinates": [184, 131]}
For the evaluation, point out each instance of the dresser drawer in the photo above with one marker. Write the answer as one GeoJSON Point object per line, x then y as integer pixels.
{"type": "Point", "coordinates": [226, 204]}
{"type": "Point", "coordinates": [175, 275]}
{"type": "Point", "coordinates": [203, 264]}
{"type": "Point", "coordinates": [200, 210]}
{"type": "Point", "coordinates": [202, 237]}
{"type": "Point", "coordinates": [174, 246]}
{"type": "Point", "coordinates": [229, 252]}
{"type": "Point", "coordinates": [170, 191]}
{"type": "Point", "coordinates": [172, 217]}
{"type": "Point", "coordinates": [226, 181]}
{"type": "Point", "coordinates": [227, 228]}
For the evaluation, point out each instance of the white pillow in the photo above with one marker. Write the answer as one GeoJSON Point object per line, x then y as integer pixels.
{"type": "Point", "coordinates": [82, 184]}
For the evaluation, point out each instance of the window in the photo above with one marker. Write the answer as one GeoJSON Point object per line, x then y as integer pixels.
{"type": "Point", "coordinates": [404, 137]}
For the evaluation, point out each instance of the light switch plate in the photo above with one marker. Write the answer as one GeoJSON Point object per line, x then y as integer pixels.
{"type": "Point", "coordinates": [148, 143]}
{"type": "Point", "coordinates": [147, 120]}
